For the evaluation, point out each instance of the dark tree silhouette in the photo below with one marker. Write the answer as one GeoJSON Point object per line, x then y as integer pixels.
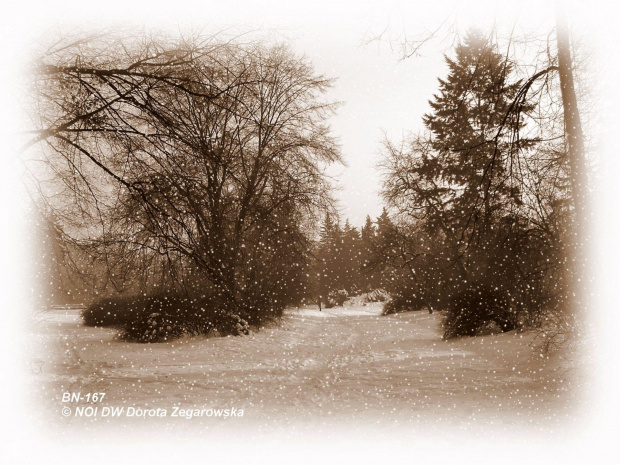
{"type": "Point", "coordinates": [203, 155]}
{"type": "Point", "coordinates": [481, 201]}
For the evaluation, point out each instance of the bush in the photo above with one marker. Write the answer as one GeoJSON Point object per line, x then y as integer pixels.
{"type": "Point", "coordinates": [378, 295]}
{"type": "Point", "coordinates": [401, 302]}
{"type": "Point", "coordinates": [154, 328]}
{"type": "Point", "coordinates": [116, 311]}
{"type": "Point", "coordinates": [161, 318]}
{"type": "Point", "coordinates": [474, 310]}
{"type": "Point", "coordinates": [160, 327]}
{"type": "Point", "coordinates": [336, 298]}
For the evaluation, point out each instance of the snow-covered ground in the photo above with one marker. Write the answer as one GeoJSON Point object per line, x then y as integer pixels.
{"type": "Point", "coordinates": [343, 366]}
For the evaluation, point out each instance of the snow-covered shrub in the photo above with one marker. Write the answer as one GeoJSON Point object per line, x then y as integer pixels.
{"type": "Point", "coordinates": [490, 328]}
{"type": "Point", "coordinates": [259, 310]}
{"type": "Point", "coordinates": [160, 327]}
{"type": "Point", "coordinates": [406, 300]}
{"type": "Point", "coordinates": [378, 295]}
{"type": "Point", "coordinates": [336, 298]}
{"type": "Point", "coordinates": [164, 317]}
{"type": "Point", "coordinates": [114, 311]}
{"type": "Point", "coordinates": [473, 311]}
{"type": "Point", "coordinates": [154, 328]}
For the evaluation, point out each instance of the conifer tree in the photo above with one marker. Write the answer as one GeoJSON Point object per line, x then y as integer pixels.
{"type": "Point", "coordinates": [471, 108]}
{"type": "Point", "coordinates": [458, 181]}
{"type": "Point", "coordinates": [462, 195]}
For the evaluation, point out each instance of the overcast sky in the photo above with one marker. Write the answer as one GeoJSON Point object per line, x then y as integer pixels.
{"type": "Point", "coordinates": [380, 94]}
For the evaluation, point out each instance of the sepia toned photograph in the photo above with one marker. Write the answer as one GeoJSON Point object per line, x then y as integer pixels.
{"type": "Point", "coordinates": [297, 232]}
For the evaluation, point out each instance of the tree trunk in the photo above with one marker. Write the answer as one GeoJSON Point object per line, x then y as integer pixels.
{"type": "Point", "coordinates": [577, 165]}
{"type": "Point", "coordinates": [572, 123]}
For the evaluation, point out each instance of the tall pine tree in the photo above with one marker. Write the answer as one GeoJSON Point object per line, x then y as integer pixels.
{"type": "Point", "coordinates": [461, 190]}
{"type": "Point", "coordinates": [460, 182]}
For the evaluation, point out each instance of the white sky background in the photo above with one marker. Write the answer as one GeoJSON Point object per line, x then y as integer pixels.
{"type": "Point", "coordinates": [379, 94]}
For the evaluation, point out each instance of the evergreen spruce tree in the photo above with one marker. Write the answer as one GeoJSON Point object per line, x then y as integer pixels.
{"type": "Point", "coordinates": [329, 257]}
{"type": "Point", "coordinates": [464, 181]}
{"type": "Point", "coordinates": [458, 185]}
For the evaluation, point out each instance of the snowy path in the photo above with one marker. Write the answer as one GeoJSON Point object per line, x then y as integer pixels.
{"type": "Point", "coordinates": [340, 365]}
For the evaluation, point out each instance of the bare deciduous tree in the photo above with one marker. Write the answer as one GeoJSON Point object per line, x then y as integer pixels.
{"type": "Point", "coordinates": [198, 154]}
